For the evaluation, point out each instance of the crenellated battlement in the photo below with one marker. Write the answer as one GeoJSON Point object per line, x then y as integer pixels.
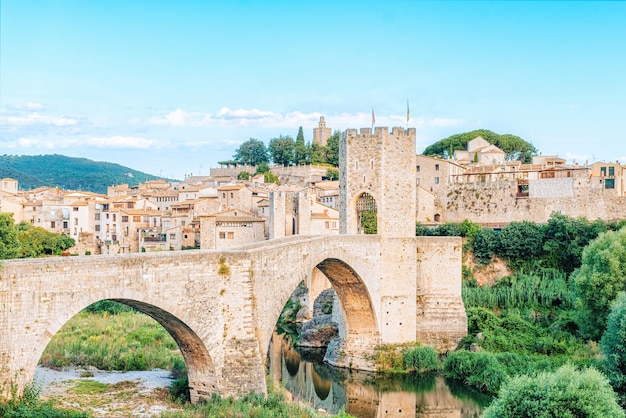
{"type": "Point", "coordinates": [380, 132]}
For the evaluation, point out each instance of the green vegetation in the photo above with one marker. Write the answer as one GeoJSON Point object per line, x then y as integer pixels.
{"type": "Point", "coordinates": [251, 405]}
{"type": "Point", "coordinates": [284, 150]}
{"type": "Point", "coordinates": [32, 171]}
{"type": "Point", "coordinates": [515, 147]}
{"type": "Point", "coordinates": [567, 392]}
{"type": "Point", "coordinates": [369, 221]}
{"type": "Point", "coordinates": [527, 333]}
{"type": "Point", "coordinates": [600, 278]}
{"type": "Point", "coordinates": [29, 405]}
{"type": "Point", "coordinates": [125, 341]}
{"type": "Point", "coordinates": [26, 241]}
{"type": "Point", "coordinates": [251, 152]}
{"type": "Point", "coordinates": [613, 347]}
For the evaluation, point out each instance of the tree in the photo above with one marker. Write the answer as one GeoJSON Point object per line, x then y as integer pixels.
{"type": "Point", "coordinates": [332, 149]}
{"type": "Point", "coordinates": [262, 168]}
{"type": "Point", "coordinates": [567, 392]}
{"type": "Point", "coordinates": [566, 237]}
{"type": "Point", "coordinates": [252, 152]}
{"type": "Point", "coordinates": [515, 147]}
{"type": "Point", "coordinates": [317, 154]}
{"type": "Point", "coordinates": [613, 346]}
{"type": "Point", "coordinates": [601, 276]}
{"type": "Point", "coordinates": [281, 150]}
{"type": "Point", "coordinates": [369, 222]}
{"type": "Point", "coordinates": [300, 151]}
{"type": "Point", "coordinates": [243, 175]}
{"type": "Point", "coordinates": [520, 241]}
{"type": "Point", "coordinates": [9, 245]}
{"type": "Point", "coordinates": [332, 174]}
{"type": "Point", "coordinates": [484, 244]}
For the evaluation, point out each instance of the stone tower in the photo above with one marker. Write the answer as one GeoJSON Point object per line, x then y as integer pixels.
{"type": "Point", "coordinates": [377, 173]}
{"type": "Point", "coordinates": [321, 133]}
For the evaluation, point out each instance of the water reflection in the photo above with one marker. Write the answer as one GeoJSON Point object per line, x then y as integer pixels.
{"type": "Point", "coordinates": [367, 395]}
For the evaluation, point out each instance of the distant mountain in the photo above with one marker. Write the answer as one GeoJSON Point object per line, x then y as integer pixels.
{"type": "Point", "coordinates": [67, 172]}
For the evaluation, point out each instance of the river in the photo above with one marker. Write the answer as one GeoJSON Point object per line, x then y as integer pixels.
{"type": "Point", "coordinates": [366, 395]}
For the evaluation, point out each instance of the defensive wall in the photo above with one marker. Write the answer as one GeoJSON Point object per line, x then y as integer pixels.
{"type": "Point", "coordinates": [499, 201]}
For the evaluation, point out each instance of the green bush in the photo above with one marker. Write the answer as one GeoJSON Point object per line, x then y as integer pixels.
{"type": "Point", "coordinates": [30, 406]}
{"type": "Point", "coordinates": [567, 392]}
{"type": "Point", "coordinates": [481, 370]}
{"type": "Point", "coordinates": [613, 347]}
{"type": "Point", "coordinates": [601, 276]}
{"type": "Point", "coordinates": [421, 359]}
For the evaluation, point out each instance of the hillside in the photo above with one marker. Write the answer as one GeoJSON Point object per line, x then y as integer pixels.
{"type": "Point", "coordinates": [67, 172]}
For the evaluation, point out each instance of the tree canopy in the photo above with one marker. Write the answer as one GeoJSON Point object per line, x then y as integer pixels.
{"type": "Point", "coordinates": [252, 152]}
{"type": "Point", "coordinates": [515, 147]}
{"type": "Point", "coordinates": [25, 240]}
{"type": "Point", "coordinates": [601, 276]}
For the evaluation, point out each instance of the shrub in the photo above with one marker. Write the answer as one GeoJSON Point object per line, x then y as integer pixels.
{"type": "Point", "coordinates": [613, 346]}
{"type": "Point", "coordinates": [420, 359]}
{"type": "Point", "coordinates": [567, 392]}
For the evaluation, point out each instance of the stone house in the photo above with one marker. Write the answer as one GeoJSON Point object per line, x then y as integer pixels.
{"type": "Point", "coordinates": [236, 196]}
{"type": "Point", "coordinates": [230, 228]}
{"type": "Point", "coordinates": [480, 151]}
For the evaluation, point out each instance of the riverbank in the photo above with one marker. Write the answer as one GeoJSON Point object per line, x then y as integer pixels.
{"type": "Point", "coordinates": [108, 394]}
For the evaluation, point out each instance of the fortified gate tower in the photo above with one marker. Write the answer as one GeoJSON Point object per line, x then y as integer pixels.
{"type": "Point", "coordinates": [419, 277]}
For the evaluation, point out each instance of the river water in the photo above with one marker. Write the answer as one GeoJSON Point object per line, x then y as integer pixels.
{"type": "Point", "coordinates": [366, 395]}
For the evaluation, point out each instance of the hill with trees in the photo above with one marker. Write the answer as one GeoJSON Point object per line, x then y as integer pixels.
{"type": "Point", "coordinates": [32, 171]}
{"type": "Point", "coordinates": [515, 147]}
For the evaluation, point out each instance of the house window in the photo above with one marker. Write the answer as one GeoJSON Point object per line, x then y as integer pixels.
{"type": "Point", "coordinates": [609, 183]}
{"type": "Point", "coordinates": [231, 235]}
{"type": "Point", "coordinates": [222, 235]}
{"type": "Point", "coordinates": [327, 224]}
{"type": "Point", "coordinates": [114, 216]}
{"type": "Point", "coordinates": [611, 171]}
{"type": "Point", "coordinates": [231, 195]}
{"type": "Point", "coordinates": [75, 209]}
{"type": "Point", "coordinates": [75, 221]}
{"type": "Point", "coordinates": [97, 216]}
{"type": "Point", "coordinates": [436, 180]}
{"type": "Point", "coordinates": [136, 218]}
{"type": "Point", "coordinates": [65, 225]}
{"type": "Point", "coordinates": [97, 228]}
{"type": "Point", "coordinates": [223, 195]}
{"type": "Point", "coordinates": [603, 171]}
{"type": "Point", "coordinates": [166, 224]}
{"type": "Point", "coordinates": [124, 218]}
{"type": "Point", "coordinates": [52, 225]}
{"type": "Point", "coordinates": [417, 168]}
{"type": "Point", "coordinates": [172, 237]}
{"type": "Point", "coordinates": [436, 167]}
{"type": "Point", "coordinates": [417, 181]}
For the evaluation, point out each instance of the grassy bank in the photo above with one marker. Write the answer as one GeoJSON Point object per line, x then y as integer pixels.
{"type": "Point", "coordinates": [125, 341]}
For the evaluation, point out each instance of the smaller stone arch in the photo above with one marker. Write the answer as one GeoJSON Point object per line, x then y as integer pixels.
{"type": "Point", "coordinates": [353, 295]}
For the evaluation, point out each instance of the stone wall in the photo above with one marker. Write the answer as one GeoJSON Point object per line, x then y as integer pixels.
{"type": "Point", "coordinates": [497, 202]}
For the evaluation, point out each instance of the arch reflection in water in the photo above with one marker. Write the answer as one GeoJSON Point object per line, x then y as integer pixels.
{"type": "Point", "coordinates": [366, 395]}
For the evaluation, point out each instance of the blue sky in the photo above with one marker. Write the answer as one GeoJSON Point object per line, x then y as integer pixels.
{"type": "Point", "coordinates": [172, 87]}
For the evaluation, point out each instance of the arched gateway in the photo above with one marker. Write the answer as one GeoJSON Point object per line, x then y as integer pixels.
{"type": "Point", "coordinates": [222, 306]}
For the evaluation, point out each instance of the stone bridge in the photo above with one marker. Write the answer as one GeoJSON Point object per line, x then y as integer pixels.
{"type": "Point", "coordinates": [221, 307]}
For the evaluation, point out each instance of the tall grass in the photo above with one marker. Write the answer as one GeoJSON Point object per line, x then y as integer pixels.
{"type": "Point", "coordinates": [126, 341]}
{"type": "Point", "coordinates": [546, 289]}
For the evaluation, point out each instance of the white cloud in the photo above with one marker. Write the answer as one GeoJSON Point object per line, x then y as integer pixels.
{"type": "Point", "coordinates": [122, 142]}
{"type": "Point", "coordinates": [35, 118]}
{"type": "Point", "coordinates": [118, 142]}
{"type": "Point", "coordinates": [28, 106]}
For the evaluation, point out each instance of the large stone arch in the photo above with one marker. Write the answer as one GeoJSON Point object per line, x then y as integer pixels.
{"type": "Point", "coordinates": [203, 380]}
